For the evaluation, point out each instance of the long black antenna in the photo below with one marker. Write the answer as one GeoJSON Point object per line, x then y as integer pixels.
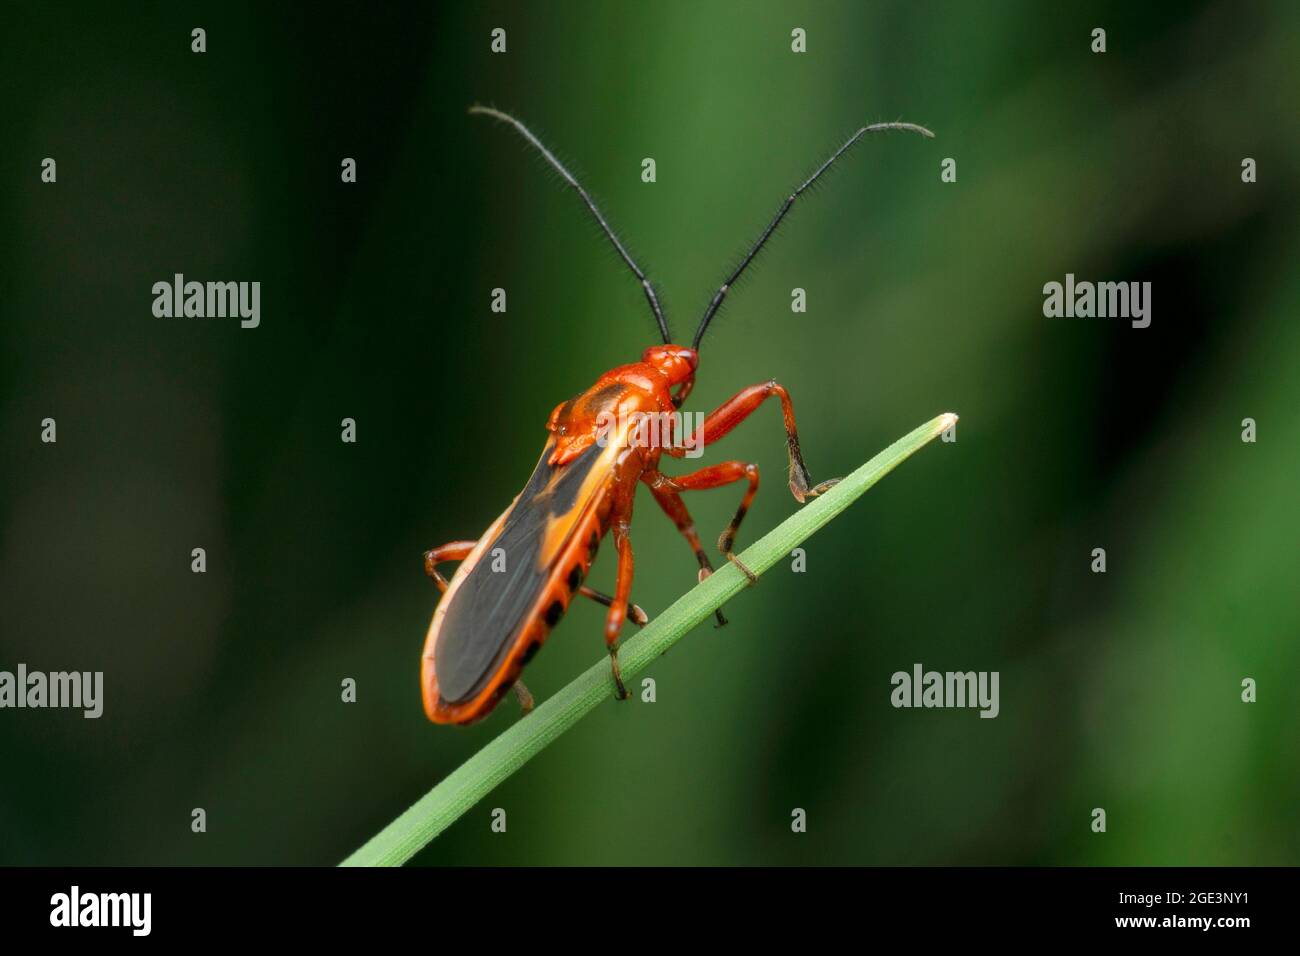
{"type": "Point", "coordinates": [785, 208]}
{"type": "Point", "coordinates": [527, 134]}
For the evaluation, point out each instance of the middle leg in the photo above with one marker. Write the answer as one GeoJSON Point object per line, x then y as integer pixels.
{"type": "Point", "coordinates": [716, 476]}
{"type": "Point", "coordinates": [634, 612]}
{"type": "Point", "coordinates": [670, 500]}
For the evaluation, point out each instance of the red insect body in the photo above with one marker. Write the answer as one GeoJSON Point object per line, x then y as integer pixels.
{"type": "Point", "coordinates": [516, 582]}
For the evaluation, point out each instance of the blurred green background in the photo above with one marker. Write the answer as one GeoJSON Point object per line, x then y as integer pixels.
{"type": "Point", "coordinates": [1119, 690]}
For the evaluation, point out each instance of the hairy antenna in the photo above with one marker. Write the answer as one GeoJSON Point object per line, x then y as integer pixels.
{"type": "Point", "coordinates": [785, 208]}
{"type": "Point", "coordinates": [568, 177]}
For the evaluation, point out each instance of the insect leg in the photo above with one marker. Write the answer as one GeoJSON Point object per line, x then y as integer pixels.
{"type": "Point", "coordinates": [638, 616]}
{"type": "Point", "coordinates": [671, 502]}
{"type": "Point", "coordinates": [618, 606]}
{"type": "Point", "coordinates": [454, 551]}
{"type": "Point", "coordinates": [524, 696]}
{"type": "Point", "coordinates": [743, 404]}
{"type": "Point", "coordinates": [715, 476]}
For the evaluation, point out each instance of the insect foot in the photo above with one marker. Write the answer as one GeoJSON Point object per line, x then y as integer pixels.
{"type": "Point", "coordinates": [620, 691]}
{"type": "Point", "coordinates": [824, 487]}
{"type": "Point", "coordinates": [750, 575]}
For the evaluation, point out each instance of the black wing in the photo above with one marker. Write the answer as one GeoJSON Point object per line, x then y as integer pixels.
{"type": "Point", "coordinates": [488, 607]}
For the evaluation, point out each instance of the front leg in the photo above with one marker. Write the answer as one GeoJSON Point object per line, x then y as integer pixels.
{"type": "Point", "coordinates": [743, 404]}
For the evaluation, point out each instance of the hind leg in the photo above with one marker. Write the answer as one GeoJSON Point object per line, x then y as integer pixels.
{"type": "Point", "coordinates": [454, 551]}
{"type": "Point", "coordinates": [661, 486]}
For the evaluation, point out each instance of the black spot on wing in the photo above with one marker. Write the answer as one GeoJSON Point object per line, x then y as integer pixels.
{"type": "Point", "coordinates": [554, 613]}
{"type": "Point", "coordinates": [489, 607]}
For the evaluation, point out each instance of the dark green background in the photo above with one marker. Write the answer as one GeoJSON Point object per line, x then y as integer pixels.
{"type": "Point", "coordinates": [222, 690]}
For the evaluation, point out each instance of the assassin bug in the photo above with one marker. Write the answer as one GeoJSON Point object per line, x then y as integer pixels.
{"type": "Point", "coordinates": [490, 620]}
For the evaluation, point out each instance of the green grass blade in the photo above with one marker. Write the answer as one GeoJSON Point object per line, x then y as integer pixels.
{"type": "Point", "coordinates": [474, 779]}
